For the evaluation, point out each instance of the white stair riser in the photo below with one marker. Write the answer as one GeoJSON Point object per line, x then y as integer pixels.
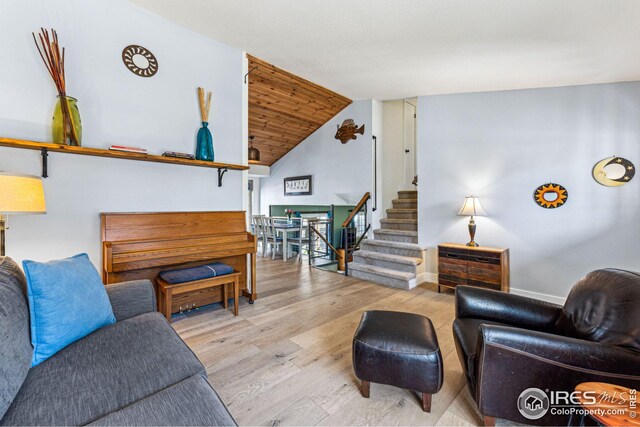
{"type": "Point", "coordinates": [382, 280]}
{"type": "Point", "coordinates": [402, 215]}
{"type": "Point", "coordinates": [395, 238]}
{"type": "Point", "coordinates": [414, 253]}
{"type": "Point", "coordinates": [409, 268]}
{"type": "Point", "coordinates": [409, 226]}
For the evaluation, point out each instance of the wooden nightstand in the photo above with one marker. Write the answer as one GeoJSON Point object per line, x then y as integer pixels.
{"type": "Point", "coordinates": [479, 266]}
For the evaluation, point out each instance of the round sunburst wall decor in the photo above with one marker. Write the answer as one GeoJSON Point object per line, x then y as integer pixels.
{"type": "Point", "coordinates": [140, 61]}
{"type": "Point", "coordinates": [550, 196]}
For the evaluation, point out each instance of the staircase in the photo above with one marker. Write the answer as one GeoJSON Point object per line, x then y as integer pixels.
{"type": "Point", "coordinates": [393, 258]}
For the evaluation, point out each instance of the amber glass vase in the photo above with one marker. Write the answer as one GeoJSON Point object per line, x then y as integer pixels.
{"type": "Point", "coordinates": [67, 131]}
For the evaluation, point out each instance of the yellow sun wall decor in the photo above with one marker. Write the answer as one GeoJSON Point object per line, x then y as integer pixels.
{"type": "Point", "coordinates": [550, 196]}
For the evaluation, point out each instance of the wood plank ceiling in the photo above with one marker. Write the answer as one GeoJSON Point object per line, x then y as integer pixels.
{"type": "Point", "coordinates": [285, 109]}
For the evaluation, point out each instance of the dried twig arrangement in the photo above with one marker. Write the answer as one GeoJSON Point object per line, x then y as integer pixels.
{"type": "Point", "coordinates": [53, 58]}
{"type": "Point", "coordinates": [204, 106]}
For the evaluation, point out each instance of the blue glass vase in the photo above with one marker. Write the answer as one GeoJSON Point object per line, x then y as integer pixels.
{"type": "Point", "coordinates": [204, 149]}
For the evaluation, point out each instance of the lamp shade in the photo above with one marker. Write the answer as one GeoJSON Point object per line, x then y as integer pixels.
{"type": "Point", "coordinates": [21, 194]}
{"type": "Point", "coordinates": [471, 207]}
{"type": "Point", "coordinates": [254, 153]}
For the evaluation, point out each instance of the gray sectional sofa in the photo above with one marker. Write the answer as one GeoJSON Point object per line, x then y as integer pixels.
{"type": "Point", "coordinates": [134, 372]}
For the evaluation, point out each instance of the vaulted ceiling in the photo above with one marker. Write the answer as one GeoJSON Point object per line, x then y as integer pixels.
{"type": "Point", "coordinates": [284, 109]}
{"type": "Point", "coordinates": [383, 49]}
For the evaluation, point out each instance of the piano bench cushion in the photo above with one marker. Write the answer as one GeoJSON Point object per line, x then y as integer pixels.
{"type": "Point", "coordinates": [191, 274]}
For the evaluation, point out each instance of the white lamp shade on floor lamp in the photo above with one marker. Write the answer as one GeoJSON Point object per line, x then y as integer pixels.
{"type": "Point", "coordinates": [19, 194]}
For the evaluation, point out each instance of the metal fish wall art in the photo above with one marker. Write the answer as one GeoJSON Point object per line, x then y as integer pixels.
{"type": "Point", "coordinates": [348, 131]}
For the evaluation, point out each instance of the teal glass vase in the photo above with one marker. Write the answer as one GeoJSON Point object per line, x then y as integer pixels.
{"type": "Point", "coordinates": [204, 149]}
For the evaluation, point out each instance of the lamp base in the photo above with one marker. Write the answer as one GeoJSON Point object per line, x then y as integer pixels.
{"type": "Point", "coordinates": [472, 233]}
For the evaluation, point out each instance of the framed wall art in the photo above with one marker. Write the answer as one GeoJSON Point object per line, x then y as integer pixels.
{"type": "Point", "coordinates": [298, 186]}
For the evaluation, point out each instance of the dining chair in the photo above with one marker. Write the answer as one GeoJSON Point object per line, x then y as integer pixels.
{"type": "Point", "coordinates": [257, 221]}
{"type": "Point", "coordinates": [271, 236]}
{"type": "Point", "coordinates": [302, 238]}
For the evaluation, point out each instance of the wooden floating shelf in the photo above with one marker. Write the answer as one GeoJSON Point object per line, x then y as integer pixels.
{"type": "Point", "coordinates": [99, 152]}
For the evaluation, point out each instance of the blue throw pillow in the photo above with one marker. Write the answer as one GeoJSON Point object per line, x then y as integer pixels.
{"type": "Point", "coordinates": [67, 301]}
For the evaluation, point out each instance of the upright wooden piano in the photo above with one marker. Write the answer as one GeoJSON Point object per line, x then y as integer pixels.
{"type": "Point", "coordinates": [140, 245]}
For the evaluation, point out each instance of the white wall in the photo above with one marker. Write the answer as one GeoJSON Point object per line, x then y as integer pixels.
{"type": "Point", "coordinates": [500, 146]}
{"type": "Point", "coordinates": [336, 168]}
{"type": "Point", "coordinates": [377, 112]}
{"type": "Point", "coordinates": [158, 113]}
{"type": "Point", "coordinates": [392, 166]}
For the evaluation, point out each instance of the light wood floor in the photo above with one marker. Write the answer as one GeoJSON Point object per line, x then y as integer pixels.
{"type": "Point", "coordinates": [286, 360]}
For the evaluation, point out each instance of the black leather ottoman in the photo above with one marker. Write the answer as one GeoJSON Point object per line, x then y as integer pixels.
{"type": "Point", "coordinates": [399, 349]}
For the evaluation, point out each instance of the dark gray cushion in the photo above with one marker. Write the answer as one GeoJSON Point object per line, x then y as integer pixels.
{"type": "Point", "coordinates": [106, 371]}
{"type": "Point", "coordinates": [15, 343]}
{"type": "Point", "coordinates": [191, 402]}
{"type": "Point", "coordinates": [130, 299]}
{"type": "Point", "coordinates": [191, 274]}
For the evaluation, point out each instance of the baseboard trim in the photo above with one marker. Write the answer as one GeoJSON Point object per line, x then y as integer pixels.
{"type": "Point", "coordinates": [545, 297]}
{"type": "Point", "coordinates": [427, 277]}
{"type": "Point", "coordinates": [433, 278]}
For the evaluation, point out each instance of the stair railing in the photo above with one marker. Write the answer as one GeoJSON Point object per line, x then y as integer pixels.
{"type": "Point", "coordinates": [348, 251]}
{"type": "Point", "coordinates": [326, 242]}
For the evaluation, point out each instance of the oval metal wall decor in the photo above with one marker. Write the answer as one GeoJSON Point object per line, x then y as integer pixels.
{"type": "Point", "coordinates": [149, 66]}
{"type": "Point", "coordinates": [620, 172]}
{"type": "Point", "coordinates": [550, 196]}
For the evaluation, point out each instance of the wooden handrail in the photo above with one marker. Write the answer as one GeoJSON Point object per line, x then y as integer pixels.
{"type": "Point", "coordinates": [355, 211]}
{"type": "Point", "coordinates": [325, 241]}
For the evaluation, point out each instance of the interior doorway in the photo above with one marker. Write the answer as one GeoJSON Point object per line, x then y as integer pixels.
{"type": "Point", "coordinates": [410, 111]}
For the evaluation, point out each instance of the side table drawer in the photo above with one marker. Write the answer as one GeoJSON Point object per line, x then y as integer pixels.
{"type": "Point", "coordinates": [453, 267]}
{"type": "Point", "coordinates": [490, 273]}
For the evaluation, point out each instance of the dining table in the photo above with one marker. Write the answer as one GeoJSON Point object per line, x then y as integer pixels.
{"type": "Point", "coordinates": [284, 228]}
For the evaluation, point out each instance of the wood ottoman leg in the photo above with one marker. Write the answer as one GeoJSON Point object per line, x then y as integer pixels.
{"type": "Point", "coordinates": [426, 402]}
{"type": "Point", "coordinates": [364, 388]}
{"type": "Point", "coordinates": [236, 296]}
{"type": "Point", "coordinates": [225, 297]}
{"type": "Point", "coordinates": [489, 421]}
{"type": "Point", "coordinates": [167, 304]}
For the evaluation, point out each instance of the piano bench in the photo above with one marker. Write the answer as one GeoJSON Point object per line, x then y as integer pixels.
{"type": "Point", "coordinates": [166, 291]}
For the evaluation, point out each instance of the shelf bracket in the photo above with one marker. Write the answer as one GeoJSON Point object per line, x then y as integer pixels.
{"type": "Point", "coordinates": [45, 164]}
{"type": "Point", "coordinates": [221, 172]}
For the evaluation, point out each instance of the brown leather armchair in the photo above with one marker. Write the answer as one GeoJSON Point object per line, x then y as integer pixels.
{"type": "Point", "coordinates": [508, 343]}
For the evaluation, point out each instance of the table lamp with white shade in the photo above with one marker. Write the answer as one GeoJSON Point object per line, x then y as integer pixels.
{"type": "Point", "coordinates": [471, 207]}
{"type": "Point", "coordinates": [19, 194]}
